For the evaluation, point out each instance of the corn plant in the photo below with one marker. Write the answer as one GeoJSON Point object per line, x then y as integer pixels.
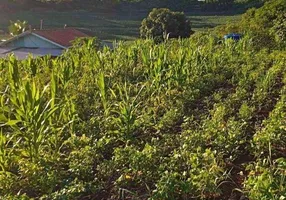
{"type": "Point", "coordinates": [126, 109]}
{"type": "Point", "coordinates": [193, 118]}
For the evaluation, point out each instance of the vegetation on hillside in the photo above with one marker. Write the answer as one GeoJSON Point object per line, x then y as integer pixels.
{"type": "Point", "coordinates": [120, 26]}
{"type": "Point", "coordinates": [193, 118]}
{"type": "Point", "coordinates": [266, 25]}
{"type": "Point", "coordinates": [206, 5]}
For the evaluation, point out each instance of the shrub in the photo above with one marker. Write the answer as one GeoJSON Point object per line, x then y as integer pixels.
{"type": "Point", "coordinates": [17, 27]}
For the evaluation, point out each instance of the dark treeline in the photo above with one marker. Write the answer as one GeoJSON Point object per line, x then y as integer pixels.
{"type": "Point", "coordinates": [197, 5]}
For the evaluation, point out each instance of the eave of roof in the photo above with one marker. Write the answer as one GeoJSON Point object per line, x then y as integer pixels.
{"type": "Point", "coordinates": [43, 38]}
{"type": "Point", "coordinates": [28, 33]}
{"type": "Point", "coordinates": [14, 38]}
{"type": "Point", "coordinates": [23, 53]}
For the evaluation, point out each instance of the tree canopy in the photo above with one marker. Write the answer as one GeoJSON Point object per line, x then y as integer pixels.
{"type": "Point", "coordinates": [163, 21]}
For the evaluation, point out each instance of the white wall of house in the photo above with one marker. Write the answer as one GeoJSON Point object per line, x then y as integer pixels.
{"type": "Point", "coordinates": [31, 41]}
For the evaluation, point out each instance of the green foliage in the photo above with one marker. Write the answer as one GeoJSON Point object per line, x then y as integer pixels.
{"type": "Point", "coordinates": [209, 5]}
{"type": "Point", "coordinates": [279, 29]}
{"type": "Point", "coordinates": [17, 27]}
{"type": "Point", "coordinates": [266, 25]}
{"type": "Point", "coordinates": [87, 42]}
{"type": "Point", "coordinates": [267, 180]}
{"type": "Point", "coordinates": [163, 22]}
{"type": "Point", "coordinates": [141, 120]}
{"type": "Point", "coordinates": [192, 118]}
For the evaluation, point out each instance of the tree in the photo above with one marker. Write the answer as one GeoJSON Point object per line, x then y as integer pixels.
{"type": "Point", "coordinates": [17, 27]}
{"type": "Point", "coordinates": [162, 22]}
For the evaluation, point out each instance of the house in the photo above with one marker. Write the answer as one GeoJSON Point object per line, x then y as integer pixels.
{"type": "Point", "coordinates": [38, 43]}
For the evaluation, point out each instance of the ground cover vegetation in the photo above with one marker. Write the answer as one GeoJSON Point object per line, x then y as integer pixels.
{"type": "Point", "coordinates": [195, 118]}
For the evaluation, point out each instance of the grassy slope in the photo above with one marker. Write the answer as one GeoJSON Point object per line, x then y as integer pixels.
{"type": "Point", "coordinates": [108, 26]}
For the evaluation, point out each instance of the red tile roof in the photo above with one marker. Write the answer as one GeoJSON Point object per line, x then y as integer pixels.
{"type": "Point", "coordinates": [63, 37]}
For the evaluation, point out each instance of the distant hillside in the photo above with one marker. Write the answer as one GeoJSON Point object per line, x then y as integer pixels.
{"type": "Point", "coordinates": [203, 5]}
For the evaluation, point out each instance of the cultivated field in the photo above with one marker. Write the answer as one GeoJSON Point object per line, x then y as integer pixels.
{"type": "Point", "coordinates": [197, 118]}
